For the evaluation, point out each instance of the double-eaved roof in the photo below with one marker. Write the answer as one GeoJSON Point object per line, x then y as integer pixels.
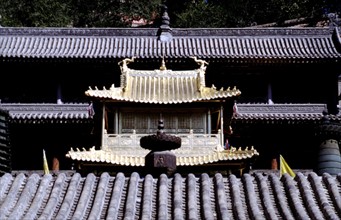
{"type": "Point", "coordinates": [252, 196]}
{"type": "Point", "coordinates": [224, 44]}
{"type": "Point", "coordinates": [239, 45]}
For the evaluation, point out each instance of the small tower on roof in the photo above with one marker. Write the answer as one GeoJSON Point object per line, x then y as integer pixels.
{"type": "Point", "coordinates": [164, 32]}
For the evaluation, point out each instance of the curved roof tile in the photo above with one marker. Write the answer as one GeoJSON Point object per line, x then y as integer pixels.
{"type": "Point", "coordinates": [136, 157]}
{"type": "Point", "coordinates": [252, 196]}
{"type": "Point", "coordinates": [278, 112]}
{"type": "Point", "coordinates": [46, 112]}
{"type": "Point", "coordinates": [234, 43]}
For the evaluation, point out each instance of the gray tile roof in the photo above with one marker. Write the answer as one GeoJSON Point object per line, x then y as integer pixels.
{"type": "Point", "coordinates": [271, 44]}
{"type": "Point", "coordinates": [282, 112]}
{"type": "Point", "coordinates": [29, 113]}
{"type": "Point", "coordinates": [253, 196]}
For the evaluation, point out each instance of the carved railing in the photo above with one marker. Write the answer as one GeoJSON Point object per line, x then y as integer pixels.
{"type": "Point", "coordinates": [198, 143]}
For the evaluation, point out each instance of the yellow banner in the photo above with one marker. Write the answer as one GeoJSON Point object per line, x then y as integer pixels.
{"type": "Point", "coordinates": [284, 168]}
{"type": "Point", "coordinates": [45, 165]}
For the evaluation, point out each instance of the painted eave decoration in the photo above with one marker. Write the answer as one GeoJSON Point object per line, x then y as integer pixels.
{"type": "Point", "coordinates": [162, 86]}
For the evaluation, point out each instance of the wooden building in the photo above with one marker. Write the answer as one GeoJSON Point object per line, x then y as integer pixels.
{"type": "Point", "coordinates": [287, 77]}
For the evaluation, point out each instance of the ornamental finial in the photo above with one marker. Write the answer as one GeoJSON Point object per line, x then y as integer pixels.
{"type": "Point", "coordinates": [163, 65]}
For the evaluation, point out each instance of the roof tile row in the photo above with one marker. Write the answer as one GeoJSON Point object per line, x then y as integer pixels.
{"type": "Point", "coordinates": [302, 43]}
{"type": "Point", "coordinates": [36, 112]}
{"type": "Point", "coordinates": [253, 196]}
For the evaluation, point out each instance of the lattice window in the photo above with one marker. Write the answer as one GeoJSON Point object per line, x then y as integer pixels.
{"type": "Point", "coordinates": [197, 123]}
{"type": "Point", "coordinates": [128, 122]}
{"type": "Point", "coordinates": [184, 123]}
{"type": "Point", "coordinates": [171, 122]}
{"type": "Point", "coordinates": [141, 123]}
{"type": "Point", "coordinates": [175, 120]}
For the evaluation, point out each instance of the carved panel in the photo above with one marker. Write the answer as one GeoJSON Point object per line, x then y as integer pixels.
{"type": "Point", "coordinates": [190, 143]}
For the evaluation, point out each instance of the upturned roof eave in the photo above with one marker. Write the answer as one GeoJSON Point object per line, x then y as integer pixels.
{"type": "Point", "coordinates": [39, 113]}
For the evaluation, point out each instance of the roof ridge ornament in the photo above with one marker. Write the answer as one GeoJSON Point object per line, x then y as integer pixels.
{"type": "Point", "coordinates": [124, 69]}
{"type": "Point", "coordinates": [201, 73]}
{"type": "Point", "coordinates": [202, 63]}
{"type": "Point", "coordinates": [123, 63]}
{"type": "Point", "coordinates": [163, 65]}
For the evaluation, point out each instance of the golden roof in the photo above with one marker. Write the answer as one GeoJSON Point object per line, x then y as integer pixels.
{"type": "Point", "coordinates": [131, 159]}
{"type": "Point", "coordinates": [162, 86]}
